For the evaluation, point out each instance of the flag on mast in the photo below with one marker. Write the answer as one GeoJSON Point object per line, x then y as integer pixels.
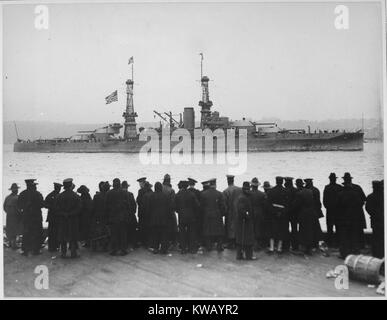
{"type": "Point", "coordinates": [112, 97]}
{"type": "Point", "coordinates": [131, 60]}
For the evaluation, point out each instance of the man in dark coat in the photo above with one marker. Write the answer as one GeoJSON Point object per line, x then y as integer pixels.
{"type": "Point", "coordinates": [68, 211]}
{"type": "Point", "coordinates": [50, 204]}
{"type": "Point", "coordinates": [132, 221]}
{"type": "Point", "coordinates": [13, 219]}
{"type": "Point", "coordinates": [99, 231]}
{"type": "Point", "coordinates": [85, 215]}
{"type": "Point", "coordinates": [278, 201]}
{"type": "Point", "coordinates": [330, 201]}
{"type": "Point", "coordinates": [351, 217]}
{"type": "Point", "coordinates": [159, 219]}
{"type": "Point", "coordinates": [375, 208]}
{"type": "Point", "coordinates": [292, 212]}
{"type": "Point", "coordinates": [259, 206]}
{"type": "Point", "coordinates": [309, 226]}
{"type": "Point", "coordinates": [186, 205]}
{"type": "Point", "coordinates": [213, 206]}
{"type": "Point", "coordinates": [143, 231]}
{"type": "Point", "coordinates": [231, 195]}
{"type": "Point", "coordinates": [30, 204]}
{"type": "Point", "coordinates": [117, 206]}
{"type": "Point", "coordinates": [244, 226]}
{"type": "Point", "coordinates": [198, 214]}
{"type": "Point", "coordinates": [173, 230]}
{"type": "Point", "coordinates": [317, 205]}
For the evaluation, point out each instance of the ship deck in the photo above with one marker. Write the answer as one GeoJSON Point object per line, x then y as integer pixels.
{"type": "Point", "coordinates": [207, 275]}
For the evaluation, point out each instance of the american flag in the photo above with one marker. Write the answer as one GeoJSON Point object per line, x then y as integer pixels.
{"type": "Point", "coordinates": [112, 97]}
{"type": "Point", "coordinates": [131, 60]}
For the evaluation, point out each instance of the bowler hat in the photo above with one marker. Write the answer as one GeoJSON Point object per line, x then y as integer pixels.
{"type": "Point", "coordinates": [332, 175]}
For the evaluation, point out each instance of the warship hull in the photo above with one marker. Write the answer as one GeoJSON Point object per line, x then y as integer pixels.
{"type": "Point", "coordinates": [352, 141]}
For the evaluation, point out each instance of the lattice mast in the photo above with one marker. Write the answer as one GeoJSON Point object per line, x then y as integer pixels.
{"type": "Point", "coordinates": [205, 103]}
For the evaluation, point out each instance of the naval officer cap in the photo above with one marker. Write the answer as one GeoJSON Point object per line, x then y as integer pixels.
{"type": "Point", "coordinates": [141, 179]}
{"type": "Point", "coordinates": [30, 181]}
{"type": "Point", "coordinates": [191, 181]}
{"type": "Point", "coordinates": [205, 183]}
{"type": "Point", "coordinates": [57, 184]}
{"type": "Point", "coordinates": [68, 180]}
{"type": "Point", "coordinates": [212, 181]}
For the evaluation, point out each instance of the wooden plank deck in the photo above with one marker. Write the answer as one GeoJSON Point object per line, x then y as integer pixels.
{"type": "Point", "coordinates": [143, 274]}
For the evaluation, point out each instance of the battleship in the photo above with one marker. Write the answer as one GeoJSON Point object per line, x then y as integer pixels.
{"type": "Point", "coordinates": [261, 137]}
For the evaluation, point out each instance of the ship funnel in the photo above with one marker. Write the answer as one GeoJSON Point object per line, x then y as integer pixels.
{"type": "Point", "coordinates": [189, 118]}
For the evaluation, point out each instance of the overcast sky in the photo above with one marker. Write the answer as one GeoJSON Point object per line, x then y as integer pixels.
{"type": "Point", "coordinates": [264, 60]}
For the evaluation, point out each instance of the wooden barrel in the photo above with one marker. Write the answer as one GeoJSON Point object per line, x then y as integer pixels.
{"type": "Point", "coordinates": [364, 268]}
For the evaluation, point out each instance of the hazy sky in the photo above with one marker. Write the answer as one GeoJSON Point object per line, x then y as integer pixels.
{"type": "Point", "coordinates": [265, 60]}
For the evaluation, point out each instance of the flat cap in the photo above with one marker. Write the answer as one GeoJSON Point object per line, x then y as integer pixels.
{"type": "Point", "coordinates": [141, 179]}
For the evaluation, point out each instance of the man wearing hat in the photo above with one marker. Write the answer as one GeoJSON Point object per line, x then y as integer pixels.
{"type": "Point", "coordinates": [173, 230]}
{"type": "Point", "coordinates": [259, 204]}
{"type": "Point", "coordinates": [99, 233]}
{"type": "Point", "coordinates": [132, 220]}
{"type": "Point", "coordinates": [244, 225]}
{"type": "Point", "coordinates": [50, 204]}
{"type": "Point", "coordinates": [351, 218]}
{"type": "Point", "coordinates": [231, 195]}
{"type": "Point", "coordinates": [143, 204]}
{"type": "Point", "coordinates": [348, 179]}
{"type": "Point", "coordinates": [309, 226]}
{"type": "Point", "coordinates": [289, 187]}
{"type": "Point", "coordinates": [278, 203]}
{"type": "Point", "coordinates": [213, 207]}
{"type": "Point", "coordinates": [187, 205]}
{"type": "Point", "coordinates": [375, 208]}
{"type": "Point", "coordinates": [142, 234]}
{"type": "Point", "coordinates": [68, 212]}
{"type": "Point", "coordinates": [198, 214]}
{"type": "Point", "coordinates": [30, 204]}
{"type": "Point", "coordinates": [317, 208]}
{"type": "Point", "coordinates": [13, 219]}
{"type": "Point", "coordinates": [117, 206]}
{"type": "Point", "coordinates": [330, 201]}
{"type": "Point", "coordinates": [85, 214]}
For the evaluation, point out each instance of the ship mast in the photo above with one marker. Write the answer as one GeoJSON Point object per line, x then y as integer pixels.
{"type": "Point", "coordinates": [130, 130]}
{"type": "Point", "coordinates": [205, 103]}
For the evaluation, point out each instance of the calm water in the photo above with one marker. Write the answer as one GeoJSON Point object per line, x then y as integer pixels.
{"type": "Point", "coordinates": [89, 169]}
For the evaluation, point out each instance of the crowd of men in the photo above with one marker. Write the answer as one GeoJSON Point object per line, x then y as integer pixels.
{"type": "Point", "coordinates": [280, 218]}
